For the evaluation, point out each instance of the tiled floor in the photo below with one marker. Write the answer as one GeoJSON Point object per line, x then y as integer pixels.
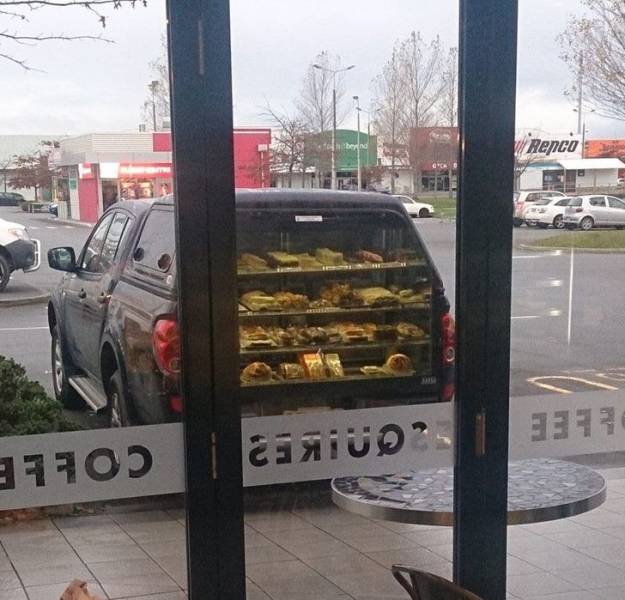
{"type": "Point", "coordinates": [302, 547]}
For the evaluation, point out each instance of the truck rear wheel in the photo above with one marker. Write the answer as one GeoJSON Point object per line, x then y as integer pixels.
{"type": "Point", "coordinates": [61, 372]}
{"type": "Point", "coordinates": [117, 407]}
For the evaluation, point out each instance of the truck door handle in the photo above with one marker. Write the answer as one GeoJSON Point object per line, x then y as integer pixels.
{"type": "Point", "coordinates": [82, 294]}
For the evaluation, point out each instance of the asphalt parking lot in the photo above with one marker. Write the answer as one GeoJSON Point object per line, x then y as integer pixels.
{"type": "Point", "coordinates": [544, 357]}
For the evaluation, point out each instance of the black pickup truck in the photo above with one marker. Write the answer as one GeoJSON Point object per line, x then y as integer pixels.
{"type": "Point", "coordinates": [340, 273]}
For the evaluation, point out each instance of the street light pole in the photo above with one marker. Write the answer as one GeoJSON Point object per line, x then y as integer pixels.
{"type": "Point", "coordinates": [334, 72]}
{"type": "Point", "coordinates": [581, 118]}
{"type": "Point", "coordinates": [153, 87]}
{"type": "Point", "coordinates": [358, 143]}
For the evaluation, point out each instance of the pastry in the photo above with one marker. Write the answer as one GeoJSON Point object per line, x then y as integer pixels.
{"type": "Point", "coordinates": [290, 301]}
{"type": "Point", "coordinates": [257, 300]}
{"type": "Point", "coordinates": [335, 368]}
{"type": "Point", "coordinates": [398, 364]}
{"type": "Point", "coordinates": [312, 335]}
{"type": "Point", "coordinates": [256, 372]}
{"type": "Point", "coordinates": [408, 296]}
{"type": "Point", "coordinates": [282, 259]}
{"type": "Point", "coordinates": [252, 262]}
{"type": "Point", "coordinates": [351, 332]}
{"type": "Point", "coordinates": [409, 331]}
{"type": "Point", "coordinates": [255, 337]}
{"type": "Point", "coordinates": [370, 329]}
{"type": "Point", "coordinates": [313, 366]}
{"type": "Point", "coordinates": [283, 337]}
{"type": "Point", "coordinates": [377, 296]}
{"type": "Point", "coordinates": [385, 333]}
{"type": "Point", "coordinates": [291, 371]}
{"type": "Point", "coordinates": [321, 303]}
{"type": "Point", "coordinates": [329, 258]}
{"type": "Point", "coordinates": [341, 295]}
{"type": "Point", "coordinates": [371, 370]}
{"type": "Point", "coordinates": [306, 261]}
{"type": "Point", "coordinates": [368, 257]}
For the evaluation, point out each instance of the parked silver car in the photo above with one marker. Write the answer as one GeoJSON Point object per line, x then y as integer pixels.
{"type": "Point", "coordinates": [586, 212]}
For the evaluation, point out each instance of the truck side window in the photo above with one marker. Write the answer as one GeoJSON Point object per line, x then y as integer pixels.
{"type": "Point", "coordinates": [91, 254]}
{"type": "Point", "coordinates": [156, 247]}
{"type": "Point", "coordinates": [113, 239]}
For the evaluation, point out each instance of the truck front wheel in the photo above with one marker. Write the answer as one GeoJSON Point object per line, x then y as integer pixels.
{"type": "Point", "coordinates": [5, 272]}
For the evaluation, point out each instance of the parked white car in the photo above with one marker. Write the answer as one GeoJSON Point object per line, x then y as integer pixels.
{"type": "Point", "coordinates": [586, 212]}
{"type": "Point", "coordinates": [522, 200]}
{"type": "Point", "coordinates": [416, 209]}
{"type": "Point", "coordinates": [547, 211]}
{"type": "Point", "coordinates": [17, 251]}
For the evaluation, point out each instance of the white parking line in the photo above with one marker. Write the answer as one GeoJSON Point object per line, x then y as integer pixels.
{"type": "Point", "coordinates": [527, 317]}
{"type": "Point", "coordinates": [50, 227]}
{"type": "Point", "coordinates": [30, 227]}
{"type": "Point", "coordinates": [9, 329]}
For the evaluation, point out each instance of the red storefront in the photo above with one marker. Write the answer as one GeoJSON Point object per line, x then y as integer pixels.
{"type": "Point", "coordinates": [97, 170]}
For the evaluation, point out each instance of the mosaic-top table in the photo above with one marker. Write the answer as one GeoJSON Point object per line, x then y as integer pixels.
{"type": "Point", "coordinates": [539, 489]}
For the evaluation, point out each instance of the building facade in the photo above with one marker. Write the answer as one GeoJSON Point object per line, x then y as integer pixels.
{"type": "Point", "coordinates": [96, 170]}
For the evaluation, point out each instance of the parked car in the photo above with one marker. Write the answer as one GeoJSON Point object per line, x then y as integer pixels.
{"type": "Point", "coordinates": [115, 340]}
{"type": "Point", "coordinates": [522, 200]}
{"type": "Point", "coordinates": [416, 209]}
{"type": "Point", "coordinates": [546, 212]}
{"type": "Point", "coordinates": [17, 251]}
{"type": "Point", "coordinates": [586, 212]}
{"type": "Point", "coordinates": [10, 199]}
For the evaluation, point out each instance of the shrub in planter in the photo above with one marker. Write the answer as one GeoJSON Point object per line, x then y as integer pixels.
{"type": "Point", "coordinates": [25, 407]}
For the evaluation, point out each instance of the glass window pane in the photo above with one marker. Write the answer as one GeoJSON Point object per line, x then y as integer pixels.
{"type": "Point", "coordinates": [92, 463]}
{"type": "Point", "coordinates": [566, 334]}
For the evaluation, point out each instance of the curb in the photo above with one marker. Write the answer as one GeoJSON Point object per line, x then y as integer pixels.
{"type": "Point", "coordinates": [73, 222]}
{"type": "Point", "coordinates": [39, 299]}
{"type": "Point", "coordinates": [568, 249]}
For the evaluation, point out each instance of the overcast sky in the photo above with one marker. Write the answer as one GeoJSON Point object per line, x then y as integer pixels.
{"type": "Point", "coordinates": [92, 86]}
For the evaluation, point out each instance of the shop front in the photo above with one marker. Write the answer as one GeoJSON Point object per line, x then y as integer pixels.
{"type": "Point", "coordinates": [97, 170]}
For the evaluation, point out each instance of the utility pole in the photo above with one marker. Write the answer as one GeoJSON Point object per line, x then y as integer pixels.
{"type": "Point", "coordinates": [580, 93]}
{"type": "Point", "coordinates": [334, 72]}
{"type": "Point", "coordinates": [358, 143]}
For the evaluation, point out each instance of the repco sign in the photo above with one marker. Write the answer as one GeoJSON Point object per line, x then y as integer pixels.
{"type": "Point", "coordinates": [535, 147]}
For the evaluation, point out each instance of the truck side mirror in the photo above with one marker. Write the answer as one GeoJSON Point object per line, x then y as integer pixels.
{"type": "Point", "coordinates": [62, 259]}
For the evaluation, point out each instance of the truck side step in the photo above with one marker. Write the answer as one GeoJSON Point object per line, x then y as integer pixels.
{"type": "Point", "coordinates": [92, 394]}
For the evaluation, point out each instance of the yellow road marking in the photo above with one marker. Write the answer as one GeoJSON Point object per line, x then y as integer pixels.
{"type": "Point", "coordinates": [612, 376]}
{"type": "Point", "coordinates": [538, 381]}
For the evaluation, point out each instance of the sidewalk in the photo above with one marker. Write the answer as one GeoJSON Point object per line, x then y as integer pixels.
{"type": "Point", "coordinates": [304, 548]}
{"type": "Point", "coordinates": [18, 293]}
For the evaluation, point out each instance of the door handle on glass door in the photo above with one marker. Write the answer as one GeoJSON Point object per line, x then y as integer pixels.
{"type": "Point", "coordinates": [82, 294]}
{"type": "Point", "coordinates": [103, 298]}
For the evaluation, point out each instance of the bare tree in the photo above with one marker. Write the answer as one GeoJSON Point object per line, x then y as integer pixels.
{"type": "Point", "coordinates": [449, 108]}
{"type": "Point", "coordinates": [389, 91]}
{"type": "Point", "coordinates": [289, 139]}
{"type": "Point", "coordinates": [422, 68]}
{"type": "Point", "coordinates": [522, 160]}
{"type": "Point", "coordinates": [315, 101]}
{"type": "Point", "coordinates": [14, 17]}
{"type": "Point", "coordinates": [596, 42]}
{"type": "Point", "coordinates": [159, 92]}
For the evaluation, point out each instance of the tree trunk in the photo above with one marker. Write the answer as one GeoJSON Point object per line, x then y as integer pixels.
{"type": "Point", "coordinates": [36, 194]}
{"type": "Point", "coordinates": [450, 172]}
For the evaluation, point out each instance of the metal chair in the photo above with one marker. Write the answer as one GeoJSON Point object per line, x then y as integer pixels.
{"type": "Point", "coordinates": [425, 586]}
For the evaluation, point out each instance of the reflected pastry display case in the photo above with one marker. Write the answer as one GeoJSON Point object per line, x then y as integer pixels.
{"type": "Point", "coordinates": [339, 305]}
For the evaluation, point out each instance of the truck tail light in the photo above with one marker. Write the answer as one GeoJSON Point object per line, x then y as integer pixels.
{"type": "Point", "coordinates": [175, 403]}
{"type": "Point", "coordinates": [166, 345]}
{"type": "Point", "coordinates": [448, 335]}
